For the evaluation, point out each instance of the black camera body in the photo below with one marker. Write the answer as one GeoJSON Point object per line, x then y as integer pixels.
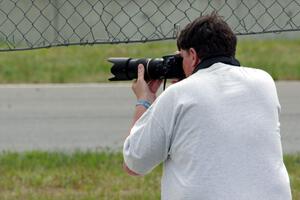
{"type": "Point", "coordinates": [167, 67]}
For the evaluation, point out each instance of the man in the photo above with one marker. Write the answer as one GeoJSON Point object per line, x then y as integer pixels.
{"type": "Point", "coordinates": [216, 131]}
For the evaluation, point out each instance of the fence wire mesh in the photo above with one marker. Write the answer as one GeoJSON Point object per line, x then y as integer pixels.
{"type": "Point", "coordinates": [30, 24]}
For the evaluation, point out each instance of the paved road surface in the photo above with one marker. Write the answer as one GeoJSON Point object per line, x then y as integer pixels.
{"type": "Point", "coordinates": [95, 116]}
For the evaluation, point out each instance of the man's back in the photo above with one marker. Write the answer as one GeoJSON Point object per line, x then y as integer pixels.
{"type": "Point", "coordinates": [217, 131]}
{"type": "Point", "coordinates": [225, 141]}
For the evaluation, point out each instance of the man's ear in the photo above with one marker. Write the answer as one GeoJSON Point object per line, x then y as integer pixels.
{"type": "Point", "coordinates": [195, 57]}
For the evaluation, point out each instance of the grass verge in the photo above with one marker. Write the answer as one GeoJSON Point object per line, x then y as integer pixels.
{"type": "Point", "coordinates": [79, 64]}
{"type": "Point", "coordinates": [87, 176]}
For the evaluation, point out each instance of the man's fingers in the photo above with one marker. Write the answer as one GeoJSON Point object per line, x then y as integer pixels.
{"type": "Point", "coordinates": [141, 71]}
{"type": "Point", "coordinates": [175, 80]}
{"type": "Point", "coordinates": [154, 85]}
{"type": "Point", "coordinates": [177, 52]}
{"type": "Point", "coordinates": [133, 84]}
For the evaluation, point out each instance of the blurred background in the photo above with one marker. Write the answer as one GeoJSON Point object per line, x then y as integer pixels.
{"type": "Point", "coordinates": [62, 123]}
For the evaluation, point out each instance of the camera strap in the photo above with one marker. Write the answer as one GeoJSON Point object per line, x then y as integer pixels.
{"type": "Point", "coordinates": [209, 61]}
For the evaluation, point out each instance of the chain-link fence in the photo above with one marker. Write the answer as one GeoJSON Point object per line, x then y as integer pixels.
{"type": "Point", "coordinates": [29, 24]}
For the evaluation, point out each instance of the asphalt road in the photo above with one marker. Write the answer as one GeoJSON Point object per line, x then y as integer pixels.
{"type": "Point", "coordinates": [96, 116]}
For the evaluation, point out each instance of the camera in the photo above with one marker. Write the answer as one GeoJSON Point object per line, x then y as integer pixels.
{"type": "Point", "coordinates": [167, 67]}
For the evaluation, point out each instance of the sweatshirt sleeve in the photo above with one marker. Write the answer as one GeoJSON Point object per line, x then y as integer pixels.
{"type": "Point", "coordinates": [148, 143]}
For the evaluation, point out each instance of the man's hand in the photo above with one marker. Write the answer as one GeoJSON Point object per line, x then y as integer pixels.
{"type": "Point", "coordinates": [144, 90]}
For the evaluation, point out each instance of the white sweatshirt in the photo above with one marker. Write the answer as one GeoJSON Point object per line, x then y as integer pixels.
{"type": "Point", "coordinates": [217, 133]}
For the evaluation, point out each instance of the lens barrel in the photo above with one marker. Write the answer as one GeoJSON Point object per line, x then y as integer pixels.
{"type": "Point", "coordinates": [168, 67]}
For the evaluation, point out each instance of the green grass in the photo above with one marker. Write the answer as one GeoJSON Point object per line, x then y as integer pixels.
{"type": "Point", "coordinates": [292, 163]}
{"type": "Point", "coordinates": [79, 64]}
{"type": "Point", "coordinates": [80, 176]}
{"type": "Point", "coordinates": [86, 176]}
{"type": "Point", "coordinates": [277, 57]}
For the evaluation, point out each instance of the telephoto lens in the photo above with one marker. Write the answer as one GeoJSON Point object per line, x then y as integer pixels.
{"type": "Point", "coordinates": [167, 67]}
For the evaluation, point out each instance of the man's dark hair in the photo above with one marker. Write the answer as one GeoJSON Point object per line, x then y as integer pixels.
{"type": "Point", "coordinates": [209, 35]}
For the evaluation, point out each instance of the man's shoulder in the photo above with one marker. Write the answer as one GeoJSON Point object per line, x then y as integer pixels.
{"type": "Point", "coordinates": [255, 70]}
{"type": "Point", "coordinates": [182, 85]}
{"type": "Point", "coordinates": [258, 74]}
{"type": "Point", "coordinates": [209, 77]}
